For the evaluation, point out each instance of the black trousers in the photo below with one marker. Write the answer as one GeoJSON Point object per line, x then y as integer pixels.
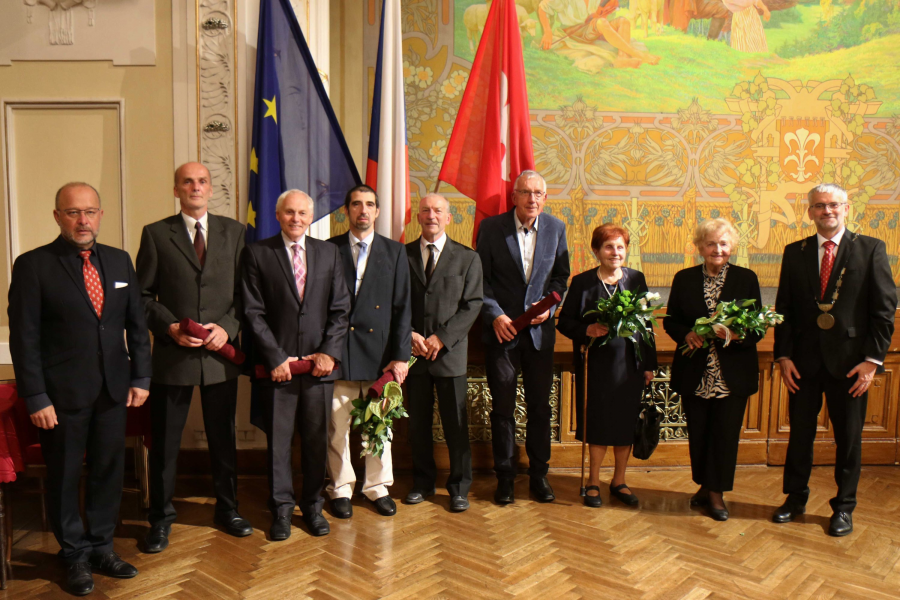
{"type": "Point", "coordinates": [169, 407]}
{"type": "Point", "coordinates": [451, 396]}
{"type": "Point", "coordinates": [714, 430]}
{"type": "Point", "coordinates": [306, 401]}
{"type": "Point", "coordinates": [847, 416]}
{"type": "Point", "coordinates": [98, 430]}
{"type": "Point", "coordinates": [503, 364]}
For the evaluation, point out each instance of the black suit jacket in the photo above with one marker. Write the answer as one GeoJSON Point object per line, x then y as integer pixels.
{"type": "Point", "coordinates": [739, 361]}
{"type": "Point", "coordinates": [280, 324]}
{"type": "Point", "coordinates": [59, 347]}
{"type": "Point", "coordinates": [864, 311]}
{"type": "Point", "coordinates": [174, 286]}
{"type": "Point", "coordinates": [380, 319]}
{"type": "Point", "coordinates": [505, 289]}
{"type": "Point", "coordinates": [447, 306]}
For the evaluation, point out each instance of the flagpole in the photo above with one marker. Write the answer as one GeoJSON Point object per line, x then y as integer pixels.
{"type": "Point", "coordinates": [437, 186]}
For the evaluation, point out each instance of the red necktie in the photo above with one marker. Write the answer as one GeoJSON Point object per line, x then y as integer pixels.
{"type": "Point", "coordinates": [92, 282]}
{"type": "Point", "coordinates": [827, 264]}
{"type": "Point", "coordinates": [199, 245]}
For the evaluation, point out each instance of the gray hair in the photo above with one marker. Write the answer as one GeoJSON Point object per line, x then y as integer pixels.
{"type": "Point", "coordinates": [74, 184]}
{"type": "Point", "coordinates": [435, 195]}
{"type": "Point", "coordinates": [827, 188]}
{"type": "Point", "coordinates": [284, 195]}
{"type": "Point", "coordinates": [715, 226]}
{"type": "Point", "coordinates": [528, 174]}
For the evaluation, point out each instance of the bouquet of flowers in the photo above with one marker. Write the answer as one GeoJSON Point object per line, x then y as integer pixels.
{"type": "Point", "coordinates": [626, 313]}
{"type": "Point", "coordinates": [738, 318]}
{"type": "Point", "coordinates": [374, 416]}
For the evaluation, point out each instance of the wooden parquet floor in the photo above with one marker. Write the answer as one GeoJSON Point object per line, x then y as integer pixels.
{"type": "Point", "coordinates": [662, 550]}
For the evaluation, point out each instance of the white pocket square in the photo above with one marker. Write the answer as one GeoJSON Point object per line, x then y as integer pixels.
{"type": "Point", "coordinates": [121, 284]}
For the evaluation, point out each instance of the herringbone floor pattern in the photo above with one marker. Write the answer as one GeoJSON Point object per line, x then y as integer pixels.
{"type": "Point", "coordinates": [663, 550]}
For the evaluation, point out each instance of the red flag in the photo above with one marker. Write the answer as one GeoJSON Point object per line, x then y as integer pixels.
{"type": "Point", "coordinates": [491, 140]}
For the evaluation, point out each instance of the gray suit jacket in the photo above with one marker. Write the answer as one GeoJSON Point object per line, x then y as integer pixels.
{"type": "Point", "coordinates": [447, 306]}
{"type": "Point", "coordinates": [174, 287]}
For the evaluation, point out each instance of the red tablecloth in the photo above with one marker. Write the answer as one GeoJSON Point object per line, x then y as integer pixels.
{"type": "Point", "coordinates": [10, 446]}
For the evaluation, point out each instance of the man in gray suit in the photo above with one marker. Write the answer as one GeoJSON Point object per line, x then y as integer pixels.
{"type": "Point", "coordinates": [446, 286]}
{"type": "Point", "coordinates": [188, 266]}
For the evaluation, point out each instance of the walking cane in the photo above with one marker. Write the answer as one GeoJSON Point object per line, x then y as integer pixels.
{"type": "Point", "coordinates": [584, 396]}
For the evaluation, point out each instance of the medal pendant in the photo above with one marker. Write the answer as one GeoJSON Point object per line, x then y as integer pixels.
{"type": "Point", "coordinates": [825, 321]}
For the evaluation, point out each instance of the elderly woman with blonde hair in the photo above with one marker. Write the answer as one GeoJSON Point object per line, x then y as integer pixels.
{"type": "Point", "coordinates": [714, 382]}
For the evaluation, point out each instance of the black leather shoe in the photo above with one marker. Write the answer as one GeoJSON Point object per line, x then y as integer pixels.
{"type": "Point", "coordinates": [717, 514]}
{"type": "Point", "coordinates": [415, 496]}
{"type": "Point", "coordinates": [841, 524]}
{"type": "Point", "coordinates": [593, 501]}
{"type": "Point", "coordinates": [459, 504]}
{"type": "Point", "coordinates": [385, 506]}
{"type": "Point", "coordinates": [701, 498]}
{"type": "Point", "coordinates": [79, 580]}
{"type": "Point", "coordinates": [280, 529]}
{"type": "Point", "coordinates": [541, 489]}
{"type": "Point", "coordinates": [787, 512]}
{"type": "Point", "coordinates": [111, 565]}
{"type": "Point", "coordinates": [157, 539]}
{"type": "Point", "coordinates": [234, 524]}
{"type": "Point", "coordinates": [505, 491]}
{"type": "Point", "coordinates": [629, 499]}
{"type": "Point", "coordinates": [317, 524]}
{"type": "Point", "coordinates": [341, 508]}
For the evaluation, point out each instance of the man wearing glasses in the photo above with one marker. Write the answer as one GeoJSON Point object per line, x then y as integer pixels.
{"type": "Point", "coordinates": [525, 257]}
{"type": "Point", "coordinates": [838, 299]}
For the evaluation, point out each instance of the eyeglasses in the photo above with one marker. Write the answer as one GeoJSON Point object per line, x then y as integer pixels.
{"type": "Point", "coordinates": [537, 195]}
{"type": "Point", "coordinates": [90, 213]}
{"type": "Point", "coordinates": [832, 206]}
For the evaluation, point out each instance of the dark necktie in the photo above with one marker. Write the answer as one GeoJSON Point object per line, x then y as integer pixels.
{"type": "Point", "coordinates": [92, 282]}
{"type": "Point", "coordinates": [199, 246]}
{"type": "Point", "coordinates": [827, 265]}
{"type": "Point", "coordinates": [429, 268]}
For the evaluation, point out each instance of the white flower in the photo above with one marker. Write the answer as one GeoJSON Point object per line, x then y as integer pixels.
{"type": "Point", "coordinates": [653, 296]}
{"type": "Point", "coordinates": [643, 303]}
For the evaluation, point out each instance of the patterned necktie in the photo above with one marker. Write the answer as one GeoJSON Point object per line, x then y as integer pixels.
{"type": "Point", "coordinates": [827, 264]}
{"type": "Point", "coordinates": [359, 258]}
{"type": "Point", "coordinates": [299, 270]}
{"type": "Point", "coordinates": [429, 268]}
{"type": "Point", "coordinates": [199, 245]}
{"type": "Point", "coordinates": [92, 282]}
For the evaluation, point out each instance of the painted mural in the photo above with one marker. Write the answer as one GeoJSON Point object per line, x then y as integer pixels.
{"type": "Point", "coordinates": [667, 112]}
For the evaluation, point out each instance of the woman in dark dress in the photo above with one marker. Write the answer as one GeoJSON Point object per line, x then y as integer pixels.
{"type": "Point", "coordinates": [714, 382]}
{"type": "Point", "coordinates": [616, 378]}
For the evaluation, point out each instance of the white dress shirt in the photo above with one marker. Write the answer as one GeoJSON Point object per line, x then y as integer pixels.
{"type": "Point", "coordinates": [360, 262]}
{"type": "Point", "coordinates": [289, 248]}
{"type": "Point", "coordinates": [527, 240]}
{"type": "Point", "coordinates": [438, 248]}
{"type": "Point", "coordinates": [191, 224]}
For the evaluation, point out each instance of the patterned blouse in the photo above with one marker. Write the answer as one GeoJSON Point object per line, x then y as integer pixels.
{"type": "Point", "coordinates": [713, 384]}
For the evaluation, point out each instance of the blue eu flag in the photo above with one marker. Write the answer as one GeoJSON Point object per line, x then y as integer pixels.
{"type": "Point", "coordinates": [297, 142]}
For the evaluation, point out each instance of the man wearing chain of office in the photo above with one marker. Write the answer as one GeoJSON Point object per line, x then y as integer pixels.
{"type": "Point", "coordinates": [838, 298]}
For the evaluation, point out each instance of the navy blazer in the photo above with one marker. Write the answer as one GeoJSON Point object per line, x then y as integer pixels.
{"type": "Point", "coordinates": [505, 289]}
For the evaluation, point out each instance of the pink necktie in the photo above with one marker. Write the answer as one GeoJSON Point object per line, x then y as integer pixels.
{"type": "Point", "coordinates": [299, 270]}
{"type": "Point", "coordinates": [92, 282]}
{"type": "Point", "coordinates": [827, 264]}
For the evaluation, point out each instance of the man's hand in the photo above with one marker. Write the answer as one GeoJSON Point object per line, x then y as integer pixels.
{"type": "Point", "coordinates": [790, 374]}
{"type": "Point", "coordinates": [399, 368]}
{"type": "Point", "coordinates": [323, 364]}
{"type": "Point", "coordinates": [216, 339]}
{"type": "Point", "coordinates": [596, 330]}
{"type": "Point", "coordinates": [282, 372]}
{"type": "Point", "coordinates": [137, 396]}
{"type": "Point", "coordinates": [722, 333]}
{"type": "Point", "coordinates": [433, 345]}
{"type": "Point", "coordinates": [546, 40]}
{"type": "Point", "coordinates": [504, 330]}
{"type": "Point", "coordinates": [693, 341]}
{"type": "Point", "coordinates": [648, 377]}
{"type": "Point", "coordinates": [865, 373]}
{"type": "Point", "coordinates": [183, 339]}
{"type": "Point", "coordinates": [541, 317]}
{"type": "Point", "coordinates": [418, 345]}
{"type": "Point", "coordinates": [45, 418]}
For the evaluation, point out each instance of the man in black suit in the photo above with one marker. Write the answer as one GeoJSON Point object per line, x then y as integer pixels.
{"type": "Point", "coordinates": [189, 266]}
{"type": "Point", "coordinates": [379, 340]}
{"type": "Point", "coordinates": [838, 299]}
{"type": "Point", "coordinates": [525, 257]}
{"type": "Point", "coordinates": [295, 305]}
{"type": "Point", "coordinates": [446, 299]}
{"type": "Point", "coordinates": [70, 302]}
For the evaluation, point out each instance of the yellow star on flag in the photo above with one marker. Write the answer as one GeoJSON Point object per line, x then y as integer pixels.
{"type": "Point", "coordinates": [254, 161]}
{"type": "Point", "coordinates": [251, 215]}
{"type": "Point", "coordinates": [271, 110]}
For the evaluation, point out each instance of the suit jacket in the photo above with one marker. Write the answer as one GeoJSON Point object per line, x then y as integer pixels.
{"type": "Point", "coordinates": [863, 312]}
{"type": "Point", "coordinates": [174, 286]}
{"type": "Point", "coordinates": [380, 319]}
{"type": "Point", "coordinates": [505, 289]}
{"type": "Point", "coordinates": [447, 306]}
{"type": "Point", "coordinates": [739, 361]}
{"type": "Point", "coordinates": [59, 347]}
{"type": "Point", "coordinates": [281, 325]}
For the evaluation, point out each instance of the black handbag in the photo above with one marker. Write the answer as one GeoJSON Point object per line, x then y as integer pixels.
{"type": "Point", "coordinates": [646, 431]}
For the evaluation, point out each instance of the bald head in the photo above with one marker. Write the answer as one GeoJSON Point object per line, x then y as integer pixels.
{"type": "Point", "coordinates": [193, 188]}
{"type": "Point", "coordinates": [434, 216]}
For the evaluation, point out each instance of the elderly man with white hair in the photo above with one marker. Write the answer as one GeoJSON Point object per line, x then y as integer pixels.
{"type": "Point", "coordinates": [289, 318]}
